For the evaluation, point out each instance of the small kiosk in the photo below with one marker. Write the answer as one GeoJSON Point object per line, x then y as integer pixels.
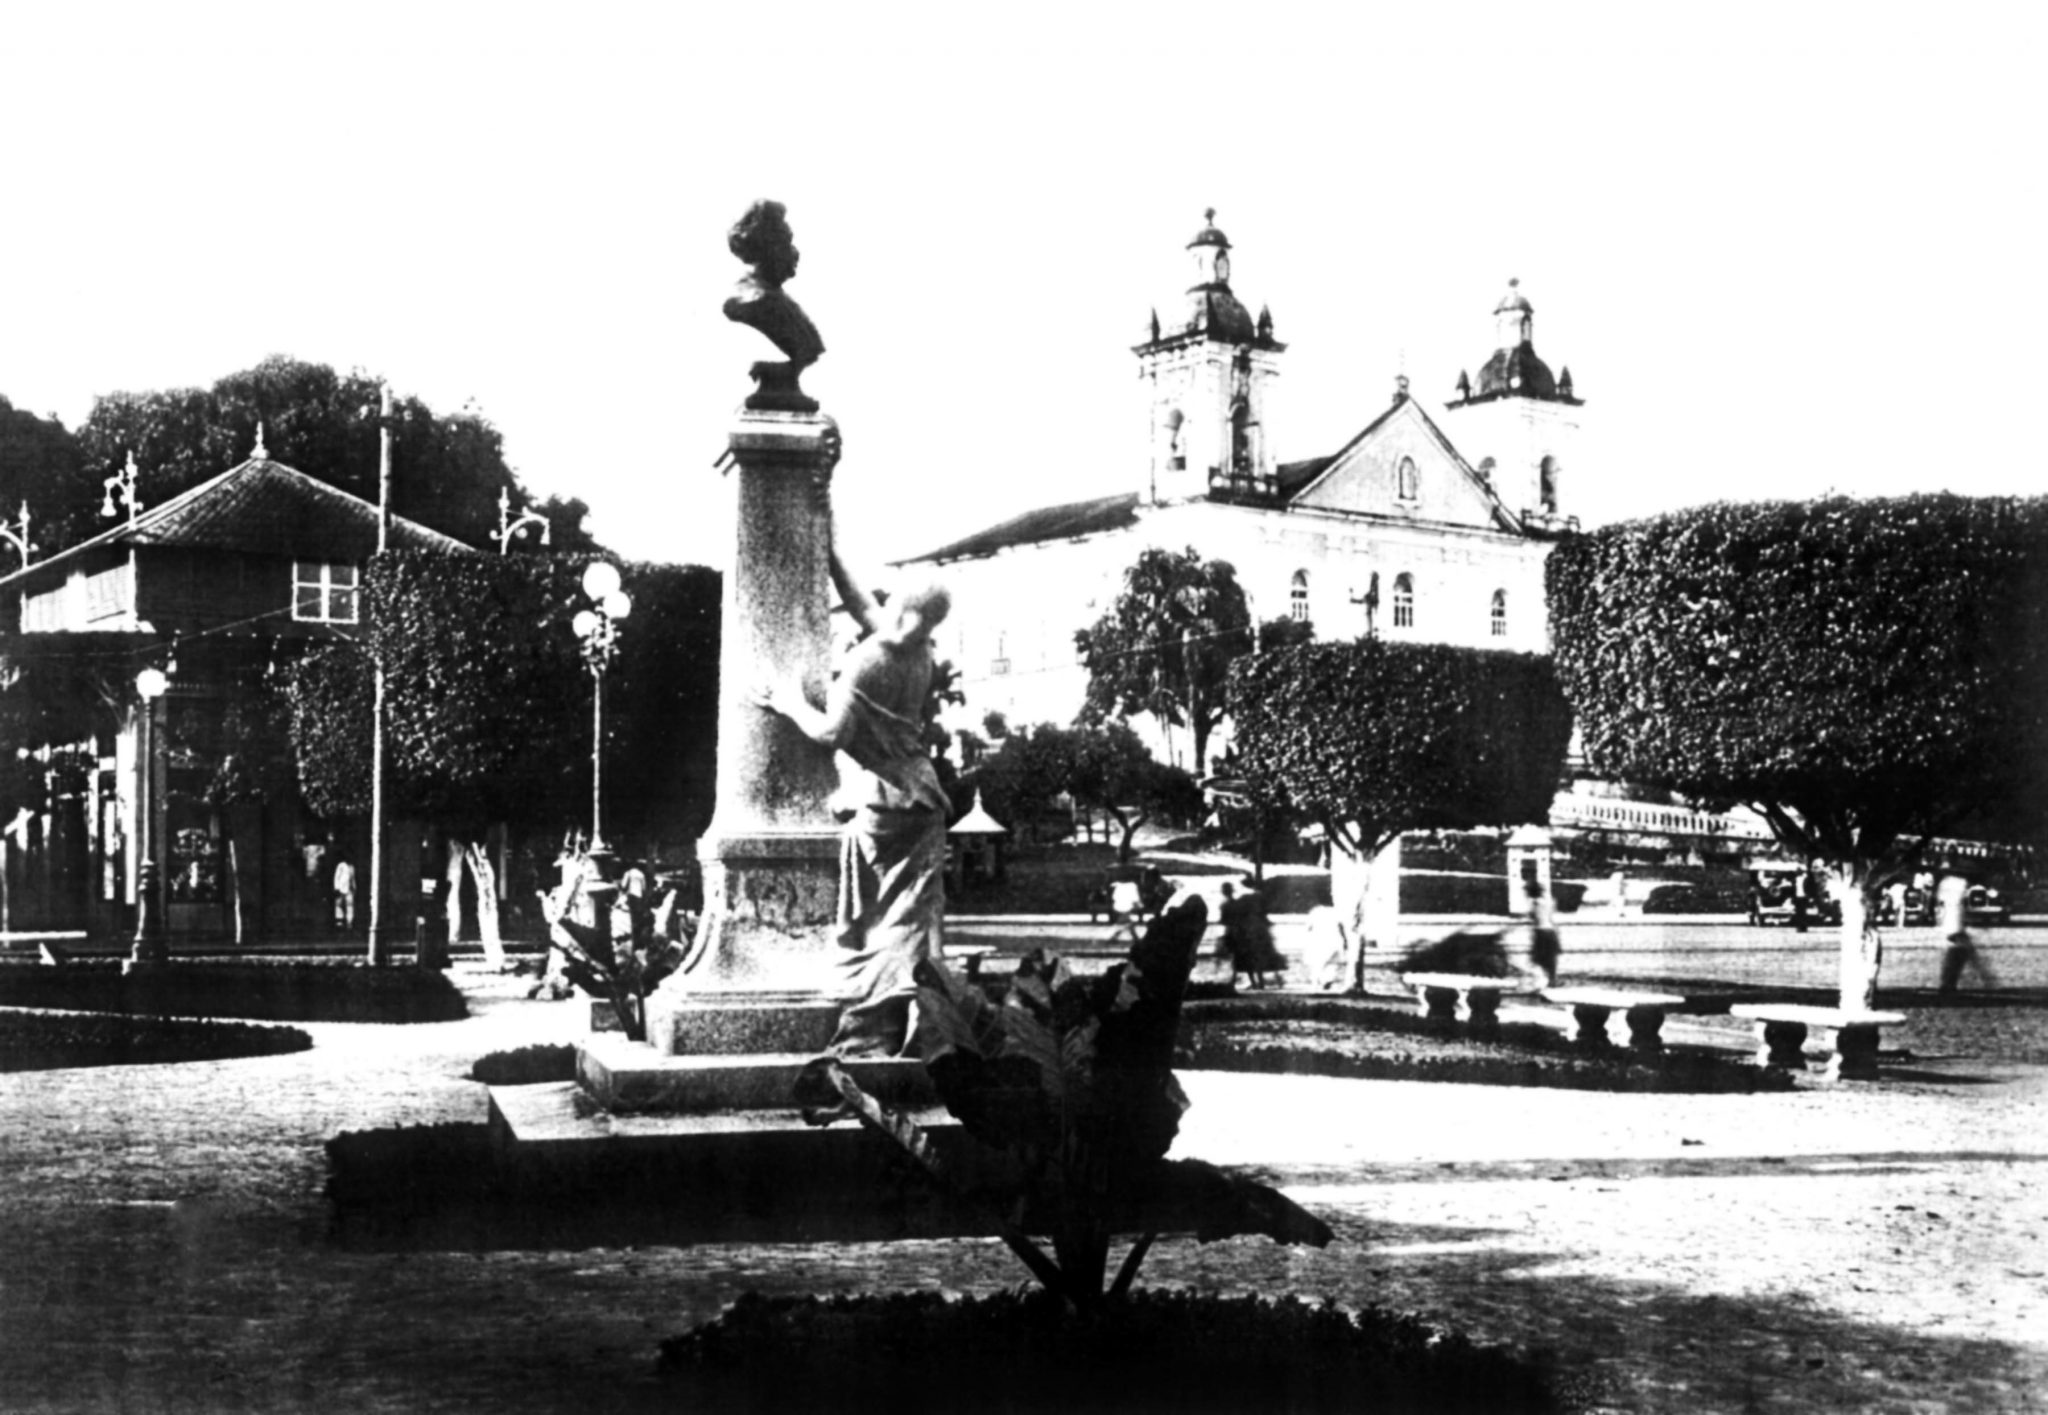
{"type": "Point", "coordinates": [975, 855]}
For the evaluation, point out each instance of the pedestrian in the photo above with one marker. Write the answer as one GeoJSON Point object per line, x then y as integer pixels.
{"type": "Point", "coordinates": [1544, 943]}
{"type": "Point", "coordinates": [1329, 951]}
{"type": "Point", "coordinates": [1951, 901]}
{"type": "Point", "coordinates": [636, 893]}
{"type": "Point", "coordinates": [344, 887]}
{"type": "Point", "coordinates": [1248, 937]}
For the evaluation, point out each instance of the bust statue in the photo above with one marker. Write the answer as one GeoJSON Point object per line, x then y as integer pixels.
{"type": "Point", "coordinates": [762, 239]}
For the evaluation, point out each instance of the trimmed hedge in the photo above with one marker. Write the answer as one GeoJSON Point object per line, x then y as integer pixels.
{"type": "Point", "coordinates": [526, 1066]}
{"type": "Point", "coordinates": [342, 991]}
{"type": "Point", "coordinates": [38, 1041]}
{"type": "Point", "coordinates": [1363, 1041]}
{"type": "Point", "coordinates": [1162, 1349]}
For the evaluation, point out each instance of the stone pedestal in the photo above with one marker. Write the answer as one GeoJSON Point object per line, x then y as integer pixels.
{"type": "Point", "coordinates": [759, 972]}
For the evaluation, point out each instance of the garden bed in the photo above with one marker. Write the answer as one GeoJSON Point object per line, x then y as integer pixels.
{"type": "Point", "coordinates": [341, 991]}
{"type": "Point", "coordinates": [1161, 1350]}
{"type": "Point", "coordinates": [47, 1041]}
{"type": "Point", "coordinates": [526, 1066]}
{"type": "Point", "coordinates": [1363, 1041]}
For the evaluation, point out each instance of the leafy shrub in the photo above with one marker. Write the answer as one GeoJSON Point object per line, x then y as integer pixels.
{"type": "Point", "coordinates": [1072, 1078]}
{"type": "Point", "coordinates": [34, 1041]}
{"type": "Point", "coordinates": [1476, 954]}
{"type": "Point", "coordinates": [277, 992]}
{"type": "Point", "coordinates": [1162, 1350]}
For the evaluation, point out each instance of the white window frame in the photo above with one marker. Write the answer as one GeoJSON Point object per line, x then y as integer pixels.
{"type": "Point", "coordinates": [1404, 601]}
{"type": "Point", "coordinates": [1498, 614]}
{"type": "Point", "coordinates": [1297, 597]}
{"type": "Point", "coordinates": [323, 578]}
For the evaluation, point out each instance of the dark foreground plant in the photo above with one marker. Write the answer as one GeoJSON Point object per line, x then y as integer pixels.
{"type": "Point", "coordinates": [1028, 1351]}
{"type": "Point", "coordinates": [1073, 1079]}
{"type": "Point", "coordinates": [622, 970]}
{"type": "Point", "coordinates": [44, 1041]}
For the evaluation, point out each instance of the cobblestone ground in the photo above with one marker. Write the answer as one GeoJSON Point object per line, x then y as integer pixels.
{"type": "Point", "coordinates": [1861, 1247]}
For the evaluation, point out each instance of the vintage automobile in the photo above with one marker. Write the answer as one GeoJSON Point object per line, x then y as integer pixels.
{"type": "Point", "coordinates": [1781, 892]}
{"type": "Point", "coordinates": [1984, 906]}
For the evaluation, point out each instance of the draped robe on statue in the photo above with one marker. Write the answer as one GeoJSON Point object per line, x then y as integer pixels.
{"type": "Point", "coordinates": [892, 857]}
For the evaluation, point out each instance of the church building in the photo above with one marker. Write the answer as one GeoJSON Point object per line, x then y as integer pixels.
{"type": "Point", "coordinates": [1429, 526]}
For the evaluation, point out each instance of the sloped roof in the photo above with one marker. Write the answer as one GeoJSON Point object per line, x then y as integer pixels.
{"type": "Point", "coordinates": [1312, 471]}
{"type": "Point", "coordinates": [1067, 522]}
{"type": "Point", "coordinates": [265, 508]}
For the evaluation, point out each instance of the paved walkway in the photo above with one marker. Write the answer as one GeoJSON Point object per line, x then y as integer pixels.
{"type": "Point", "coordinates": [1866, 1246]}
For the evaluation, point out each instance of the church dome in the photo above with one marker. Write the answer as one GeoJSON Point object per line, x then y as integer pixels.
{"type": "Point", "coordinates": [1214, 311]}
{"type": "Point", "coordinates": [1209, 235]}
{"type": "Point", "coordinates": [1516, 371]}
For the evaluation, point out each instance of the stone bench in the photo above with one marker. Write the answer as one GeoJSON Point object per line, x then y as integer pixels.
{"type": "Point", "coordinates": [1591, 1007]}
{"type": "Point", "coordinates": [1781, 1036]}
{"type": "Point", "coordinates": [1461, 997]}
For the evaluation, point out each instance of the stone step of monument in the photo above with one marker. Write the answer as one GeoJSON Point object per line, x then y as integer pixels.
{"type": "Point", "coordinates": [625, 1077]}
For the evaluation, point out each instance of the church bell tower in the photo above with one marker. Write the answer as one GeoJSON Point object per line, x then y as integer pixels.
{"type": "Point", "coordinates": [1518, 423]}
{"type": "Point", "coordinates": [1205, 384]}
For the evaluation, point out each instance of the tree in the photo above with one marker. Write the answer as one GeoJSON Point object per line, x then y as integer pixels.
{"type": "Point", "coordinates": [1866, 674]}
{"type": "Point", "coordinates": [1110, 770]}
{"type": "Point", "coordinates": [1022, 780]}
{"type": "Point", "coordinates": [487, 703]}
{"type": "Point", "coordinates": [1166, 644]}
{"type": "Point", "coordinates": [661, 705]}
{"type": "Point", "coordinates": [42, 466]}
{"type": "Point", "coordinates": [1371, 739]}
{"type": "Point", "coordinates": [447, 469]}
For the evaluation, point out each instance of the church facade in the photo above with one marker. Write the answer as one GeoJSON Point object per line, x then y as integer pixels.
{"type": "Point", "coordinates": [1426, 525]}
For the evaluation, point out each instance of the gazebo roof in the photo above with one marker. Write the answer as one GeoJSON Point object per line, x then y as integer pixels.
{"type": "Point", "coordinates": [978, 822]}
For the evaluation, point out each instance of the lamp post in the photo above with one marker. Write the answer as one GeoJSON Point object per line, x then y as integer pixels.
{"type": "Point", "coordinates": [598, 628]}
{"type": "Point", "coordinates": [124, 486]}
{"type": "Point", "coordinates": [509, 525]}
{"type": "Point", "coordinates": [148, 947]}
{"type": "Point", "coordinates": [19, 539]}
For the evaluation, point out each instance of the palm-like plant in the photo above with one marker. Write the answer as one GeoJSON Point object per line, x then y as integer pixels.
{"type": "Point", "coordinates": [1073, 1078]}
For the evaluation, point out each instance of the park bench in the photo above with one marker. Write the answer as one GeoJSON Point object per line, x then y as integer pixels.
{"type": "Point", "coordinates": [1591, 1007]}
{"type": "Point", "coordinates": [1462, 997]}
{"type": "Point", "coordinates": [1781, 1036]}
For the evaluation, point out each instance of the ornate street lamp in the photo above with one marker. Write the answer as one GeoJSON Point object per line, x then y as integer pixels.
{"type": "Point", "coordinates": [122, 484]}
{"type": "Point", "coordinates": [598, 628]}
{"type": "Point", "coordinates": [148, 948]}
{"type": "Point", "coordinates": [509, 525]}
{"type": "Point", "coordinates": [19, 538]}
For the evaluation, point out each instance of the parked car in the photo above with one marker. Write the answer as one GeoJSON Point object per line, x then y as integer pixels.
{"type": "Point", "coordinates": [1985, 906]}
{"type": "Point", "coordinates": [1781, 892]}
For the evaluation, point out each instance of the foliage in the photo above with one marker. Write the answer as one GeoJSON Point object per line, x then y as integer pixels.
{"type": "Point", "coordinates": [279, 992]}
{"type": "Point", "coordinates": [1166, 643]}
{"type": "Point", "coordinates": [328, 705]}
{"type": "Point", "coordinates": [1022, 781]}
{"type": "Point", "coordinates": [534, 1065]}
{"type": "Point", "coordinates": [447, 469]}
{"type": "Point", "coordinates": [41, 465]}
{"type": "Point", "coordinates": [661, 705]}
{"type": "Point", "coordinates": [32, 1041]}
{"type": "Point", "coordinates": [1373, 738]}
{"type": "Point", "coordinates": [1073, 1078]}
{"type": "Point", "coordinates": [1111, 770]}
{"type": "Point", "coordinates": [1162, 1350]}
{"type": "Point", "coordinates": [255, 760]}
{"type": "Point", "coordinates": [1867, 674]}
{"type": "Point", "coordinates": [484, 688]}
{"type": "Point", "coordinates": [1330, 1037]}
{"type": "Point", "coordinates": [624, 971]}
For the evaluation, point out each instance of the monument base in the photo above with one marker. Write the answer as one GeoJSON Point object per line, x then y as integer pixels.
{"type": "Point", "coordinates": [625, 1077]}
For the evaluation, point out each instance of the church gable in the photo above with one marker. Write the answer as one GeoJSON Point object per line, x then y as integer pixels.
{"type": "Point", "coordinates": [1402, 467]}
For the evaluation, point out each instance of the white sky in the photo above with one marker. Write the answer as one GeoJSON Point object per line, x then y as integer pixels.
{"type": "Point", "coordinates": [1783, 248]}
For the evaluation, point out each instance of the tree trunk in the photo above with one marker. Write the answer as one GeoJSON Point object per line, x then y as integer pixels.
{"type": "Point", "coordinates": [486, 876]}
{"type": "Point", "coordinates": [451, 871]}
{"type": "Point", "coordinates": [1862, 946]}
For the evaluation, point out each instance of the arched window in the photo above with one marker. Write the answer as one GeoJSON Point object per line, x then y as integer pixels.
{"type": "Point", "coordinates": [1404, 601]}
{"type": "Point", "coordinates": [1547, 474]}
{"type": "Point", "coordinates": [1241, 441]}
{"type": "Point", "coordinates": [1176, 447]}
{"type": "Point", "coordinates": [1500, 614]}
{"type": "Point", "coordinates": [1297, 597]}
{"type": "Point", "coordinates": [1407, 485]}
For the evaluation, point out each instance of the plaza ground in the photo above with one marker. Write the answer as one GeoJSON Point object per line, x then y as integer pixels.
{"type": "Point", "coordinates": [1866, 1246]}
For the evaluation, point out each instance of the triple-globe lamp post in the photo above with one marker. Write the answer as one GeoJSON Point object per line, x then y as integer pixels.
{"type": "Point", "coordinates": [598, 628]}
